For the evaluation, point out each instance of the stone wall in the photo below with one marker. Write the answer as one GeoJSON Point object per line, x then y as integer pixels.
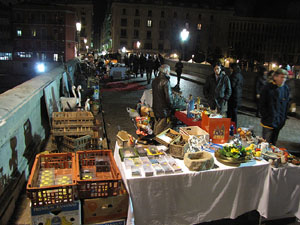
{"type": "Point", "coordinates": [24, 129]}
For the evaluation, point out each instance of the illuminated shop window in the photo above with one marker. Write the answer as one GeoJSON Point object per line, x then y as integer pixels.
{"type": "Point", "coordinates": [199, 26]}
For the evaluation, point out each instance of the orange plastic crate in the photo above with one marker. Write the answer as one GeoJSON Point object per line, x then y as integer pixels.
{"type": "Point", "coordinates": [104, 183]}
{"type": "Point", "coordinates": [62, 164]}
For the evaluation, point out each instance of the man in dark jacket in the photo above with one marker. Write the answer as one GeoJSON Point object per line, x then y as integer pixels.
{"type": "Point", "coordinates": [236, 81]}
{"type": "Point", "coordinates": [162, 102]}
{"type": "Point", "coordinates": [178, 70]}
{"type": "Point", "coordinates": [217, 89]}
{"type": "Point", "coordinates": [274, 103]}
{"type": "Point", "coordinates": [149, 67]}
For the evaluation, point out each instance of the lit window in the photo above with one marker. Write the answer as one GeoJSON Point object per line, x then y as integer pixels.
{"type": "Point", "coordinates": [33, 32]}
{"type": "Point", "coordinates": [149, 23]}
{"type": "Point", "coordinates": [199, 26]}
{"type": "Point", "coordinates": [19, 33]}
{"type": "Point", "coordinates": [55, 57]}
{"type": "Point", "coordinates": [5, 56]}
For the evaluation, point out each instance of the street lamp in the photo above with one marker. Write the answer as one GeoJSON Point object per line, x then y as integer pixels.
{"type": "Point", "coordinates": [85, 40]}
{"type": "Point", "coordinates": [87, 49]}
{"type": "Point", "coordinates": [138, 44]}
{"type": "Point", "coordinates": [78, 28]}
{"type": "Point", "coordinates": [184, 34]}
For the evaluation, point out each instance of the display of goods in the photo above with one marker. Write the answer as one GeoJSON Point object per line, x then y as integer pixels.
{"type": "Point", "coordinates": [124, 139]}
{"type": "Point", "coordinates": [128, 152]}
{"type": "Point", "coordinates": [166, 137]}
{"type": "Point", "coordinates": [179, 146]}
{"type": "Point", "coordinates": [106, 180]}
{"type": "Point", "coordinates": [233, 155]}
{"type": "Point", "coordinates": [194, 130]}
{"type": "Point", "coordinates": [72, 123]}
{"type": "Point", "coordinates": [52, 179]}
{"type": "Point", "coordinates": [141, 151]}
{"type": "Point", "coordinates": [153, 150]}
{"type": "Point", "coordinates": [198, 161]}
{"type": "Point", "coordinates": [217, 128]}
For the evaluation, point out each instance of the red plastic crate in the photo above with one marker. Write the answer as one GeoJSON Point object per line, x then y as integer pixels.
{"type": "Point", "coordinates": [62, 164]}
{"type": "Point", "coordinates": [104, 183]}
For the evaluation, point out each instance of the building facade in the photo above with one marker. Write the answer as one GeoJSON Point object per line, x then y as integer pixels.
{"type": "Point", "coordinates": [213, 32]}
{"type": "Point", "coordinates": [43, 32]}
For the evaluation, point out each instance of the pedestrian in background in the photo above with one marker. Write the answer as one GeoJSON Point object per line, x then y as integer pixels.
{"type": "Point", "coordinates": [260, 82]}
{"type": "Point", "coordinates": [179, 67]}
{"type": "Point", "coordinates": [274, 104]}
{"type": "Point", "coordinates": [217, 89]}
{"type": "Point", "coordinates": [162, 99]}
{"type": "Point", "coordinates": [149, 67]}
{"type": "Point", "coordinates": [235, 99]}
{"type": "Point", "coordinates": [156, 65]}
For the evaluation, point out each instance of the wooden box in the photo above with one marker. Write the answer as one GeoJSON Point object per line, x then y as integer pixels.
{"type": "Point", "coordinates": [166, 137]}
{"type": "Point", "coordinates": [177, 150]}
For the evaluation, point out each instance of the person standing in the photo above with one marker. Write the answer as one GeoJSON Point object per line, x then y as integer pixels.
{"type": "Point", "coordinates": [217, 89]}
{"type": "Point", "coordinates": [156, 65]}
{"type": "Point", "coordinates": [274, 104]}
{"type": "Point", "coordinates": [149, 67]}
{"type": "Point", "coordinates": [260, 82]}
{"type": "Point", "coordinates": [179, 67]}
{"type": "Point", "coordinates": [235, 99]}
{"type": "Point", "coordinates": [162, 99]}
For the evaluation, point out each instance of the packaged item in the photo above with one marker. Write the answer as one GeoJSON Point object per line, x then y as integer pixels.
{"type": "Point", "coordinates": [136, 171]}
{"type": "Point", "coordinates": [148, 169]}
{"type": "Point", "coordinates": [128, 163]}
{"type": "Point", "coordinates": [158, 169]}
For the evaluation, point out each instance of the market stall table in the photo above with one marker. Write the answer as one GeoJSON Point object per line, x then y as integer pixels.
{"type": "Point", "coordinates": [118, 72]}
{"type": "Point", "coordinates": [181, 115]}
{"type": "Point", "coordinates": [281, 195]}
{"type": "Point", "coordinates": [195, 197]}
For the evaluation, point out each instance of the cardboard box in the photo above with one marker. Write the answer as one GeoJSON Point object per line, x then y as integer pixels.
{"type": "Point", "coordinates": [99, 210]}
{"type": "Point", "coordinates": [194, 130]}
{"type": "Point", "coordinates": [65, 214]}
{"type": "Point", "coordinates": [218, 128]}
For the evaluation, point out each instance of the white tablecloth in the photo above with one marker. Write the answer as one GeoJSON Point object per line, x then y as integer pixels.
{"type": "Point", "coordinates": [195, 197]}
{"type": "Point", "coordinates": [281, 196]}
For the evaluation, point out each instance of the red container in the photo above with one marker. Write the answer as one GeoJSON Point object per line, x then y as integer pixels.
{"type": "Point", "coordinates": [105, 179]}
{"type": "Point", "coordinates": [60, 164]}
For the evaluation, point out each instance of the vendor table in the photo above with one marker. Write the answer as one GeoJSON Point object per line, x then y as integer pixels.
{"type": "Point", "coordinates": [118, 72]}
{"type": "Point", "coordinates": [181, 115]}
{"type": "Point", "coordinates": [195, 197]}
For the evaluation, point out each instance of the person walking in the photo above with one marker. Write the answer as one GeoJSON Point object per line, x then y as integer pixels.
{"type": "Point", "coordinates": [260, 82]}
{"type": "Point", "coordinates": [142, 64]}
{"type": "Point", "coordinates": [156, 66]}
{"type": "Point", "coordinates": [274, 104]}
{"type": "Point", "coordinates": [235, 99]}
{"type": "Point", "coordinates": [179, 67]}
{"type": "Point", "coordinates": [149, 68]}
{"type": "Point", "coordinates": [162, 99]}
{"type": "Point", "coordinates": [217, 89]}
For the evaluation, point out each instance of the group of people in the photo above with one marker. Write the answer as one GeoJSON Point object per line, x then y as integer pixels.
{"type": "Point", "coordinates": [141, 63]}
{"type": "Point", "coordinates": [224, 93]}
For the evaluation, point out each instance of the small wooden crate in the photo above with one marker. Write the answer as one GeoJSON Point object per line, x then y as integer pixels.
{"type": "Point", "coordinates": [123, 139]}
{"type": "Point", "coordinates": [105, 183]}
{"type": "Point", "coordinates": [72, 123]}
{"type": "Point", "coordinates": [73, 144]}
{"type": "Point", "coordinates": [62, 164]}
{"type": "Point", "coordinates": [176, 150]}
{"type": "Point", "coordinates": [194, 130]}
{"type": "Point", "coordinates": [164, 139]}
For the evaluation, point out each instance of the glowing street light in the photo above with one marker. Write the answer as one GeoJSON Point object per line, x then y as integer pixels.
{"type": "Point", "coordinates": [123, 50]}
{"type": "Point", "coordinates": [85, 40]}
{"type": "Point", "coordinates": [184, 34]}
{"type": "Point", "coordinates": [138, 44]}
{"type": "Point", "coordinates": [40, 67]}
{"type": "Point", "coordinates": [78, 28]}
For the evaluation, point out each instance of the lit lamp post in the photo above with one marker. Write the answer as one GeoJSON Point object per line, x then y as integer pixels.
{"type": "Point", "coordinates": [138, 44]}
{"type": "Point", "coordinates": [78, 28]}
{"type": "Point", "coordinates": [87, 49]}
{"type": "Point", "coordinates": [184, 34]}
